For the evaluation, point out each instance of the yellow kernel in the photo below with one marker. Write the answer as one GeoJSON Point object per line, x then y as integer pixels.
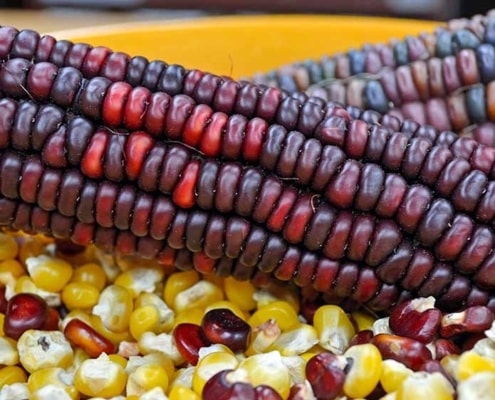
{"type": "Point", "coordinates": [335, 329]}
{"type": "Point", "coordinates": [178, 282]}
{"type": "Point", "coordinates": [180, 392]}
{"type": "Point", "coordinates": [2, 320]}
{"type": "Point", "coordinates": [209, 365]}
{"type": "Point", "coordinates": [51, 376]}
{"type": "Point", "coordinates": [115, 337]}
{"type": "Point", "coordinates": [31, 247]}
{"type": "Point", "coordinates": [470, 363]}
{"type": "Point", "coordinates": [268, 369]}
{"type": "Point", "coordinates": [241, 293]}
{"type": "Point", "coordinates": [365, 371]}
{"type": "Point", "coordinates": [363, 320]}
{"type": "Point", "coordinates": [193, 316]}
{"type": "Point", "coordinates": [25, 284]}
{"type": "Point", "coordinates": [422, 385]}
{"type": "Point", "coordinates": [140, 280]}
{"type": "Point", "coordinates": [13, 267]}
{"type": "Point", "coordinates": [263, 336]}
{"type": "Point", "coordinates": [154, 358]}
{"type": "Point", "coordinates": [9, 354]}
{"type": "Point", "coordinates": [146, 377]}
{"type": "Point", "coordinates": [12, 374]}
{"type": "Point", "coordinates": [264, 297]}
{"type": "Point", "coordinates": [8, 247]}
{"type": "Point", "coordinates": [91, 273]}
{"type": "Point", "coordinates": [165, 313]}
{"type": "Point", "coordinates": [100, 377]}
{"type": "Point", "coordinates": [79, 357]}
{"type": "Point", "coordinates": [143, 319]}
{"type": "Point", "coordinates": [393, 374]}
{"type": "Point", "coordinates": [199, 295]}
{"type": "Point", "coordinates": [281, 311]}
{"type": "Point", "coordinates": [117, 358]}
{"type": "Point", "coordinates": [114, 308]}
{"type": "Point", "coordinates": [80, 295]}
{"type": "Point", "coordinates": [49, 273]}
{"type": "Point", "coordinates": [226, 304]}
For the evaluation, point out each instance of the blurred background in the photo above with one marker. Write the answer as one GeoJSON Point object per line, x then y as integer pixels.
{"type": "Point", "coordinates": [60, 14]}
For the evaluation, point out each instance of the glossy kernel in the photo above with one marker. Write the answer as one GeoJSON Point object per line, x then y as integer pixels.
{"type": "Point", "coordinates": [48, 273]}
{"type": "Point", "coordinates": [80, 295]}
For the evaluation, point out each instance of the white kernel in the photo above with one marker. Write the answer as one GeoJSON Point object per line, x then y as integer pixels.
{"type": "Point", "coordinates": [15, 391]}
{"type": "Point", "coordinates": [144, 280]}
{"type": "Point", "coordinates": [184, 377]}
{"type": "Point", "coordinates": [42, 349]}
{"type": "Point", "coordinates": [162, 343]}
{"type": "Point", "coordinates": [154, 394]}
{"type": "Point", "coordinates": [296, 341]}
{"type": "Point", "coordinates": [51, 392]}
{"type": "Point", "coordinates": [381, 326]}
{"type": "Point", "coordinates": [480, 386]}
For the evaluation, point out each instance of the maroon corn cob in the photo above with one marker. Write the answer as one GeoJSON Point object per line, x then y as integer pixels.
{"type": "Point", "coordinates": [107, 155]}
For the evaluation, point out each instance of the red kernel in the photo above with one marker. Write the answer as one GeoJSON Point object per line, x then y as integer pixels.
{"type": "Point", "coordinates": [137, 147]}
{"type": "Point", "coordinates": [84, 336]}
{"type": "Point", "coordinates": [325, 373]}
{"type": "Point", "coordinates": [189, 340]}
{"type": "Point", "coordinates": [24, 311]}
{"type": "Point", "coordinates": [183, 194]}
{"type": "Point", "coordinates": [221, 325]}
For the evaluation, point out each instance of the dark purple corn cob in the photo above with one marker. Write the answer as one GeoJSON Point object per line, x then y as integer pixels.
{"type": "Point", "coordinates": [360, 220]}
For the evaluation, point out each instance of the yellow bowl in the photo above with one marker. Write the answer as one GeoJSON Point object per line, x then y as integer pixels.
{"type": "Point", "coordinates": [243, 45]}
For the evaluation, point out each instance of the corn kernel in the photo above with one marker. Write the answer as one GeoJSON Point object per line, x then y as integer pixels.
{"type": "Point", "coordinates": [155, 393]}
{"type": "Point", "coordinates": [193, 316]}
{"type": "Point", "coordinates": [79, 357]}
{"type": "Point", "coordinates": [146, 377]}
{"type": "Point", "coordinates": [263, 337]}
{"type": "Point", "coordinates": [163, 343]}
{"type": "Point", "coordinates": [296, 341]}
{"type": "Point", "coordinates": [26, 285]}
{"type": "Point", "coordinates": [8, 247]}
{"type": "Point", "coordinates": [209, 365]}
{"type": "Point", "coordinates": [15, 391]}
{"type": "Point", "coordinates": [165, 313]}
{"type": "Point", "coordinates": [280, 311]}
{"type": "Point", "coordinates": [363, 320]}
{"type": "Point", "coordinates": [116, 358]}
{"type": "Point", "coordinates": [44, 349]}
{"type": "Point", "coordinates": [53, 376]}
{"type": "Point", "coordinates": [228, 305]}
{"type": "Point", "coordinates": [470, 363]}
{"type": "Point", "coordinates": [393, 374]}
{"type": "Point", "coordinates": [49, 273]}
{"type": "Point", "coordinates": [365, 370]}
{"type": "Point", "coordinates": [13, 267]}
{"type": "Point", "coordinates": [268, 369]}
{"type": "Point", "coordinates": [335, 329]}
{"type": "Point", "coordinates": [114, 308]}
{"type": "Point", "coordinates": [422, 385]}
{"type": "Point", "coordinates": [180, 392]}
{"type": "Point", "coordinates": [115, 337]}
{"type": "Point", "coordinates": [12, 374]}
{"type": "Point", "coordinates": [480, 386]}
{"type": "Point", "coordinates": [100, 377]}
{"type": "Point", "coordinates": [80, 295]}
{"type": "Point", "coordinates": [241, 293]}
{"type": "Point", "coordinates": [143, 319]}
{"type": "Point", "coordinates": [8, 351]}
{"type": "Point", "coordinates": [30, 247]}
{"type": "Point", "coordinates": [140, 280]}
{"type": "Point", "coordinates": [91, 273]}
{"type": "Point", "coordinates": [153, 358]}
{"type": "Point", "coordinates": [178, 282]}
{"type": "Point", "coordinates": [199, 295]}
{"type": "Point", "coordinates": [263, 297]}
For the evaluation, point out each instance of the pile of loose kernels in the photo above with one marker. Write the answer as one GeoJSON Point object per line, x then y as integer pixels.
{"type": "Point", "coordinates": [78, 323]}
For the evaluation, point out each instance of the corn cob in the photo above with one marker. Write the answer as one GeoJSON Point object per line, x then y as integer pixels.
{"type": "Point", "coordinates": [372, 59]}
{"type": "Point", "coordinates": [105, 103]}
